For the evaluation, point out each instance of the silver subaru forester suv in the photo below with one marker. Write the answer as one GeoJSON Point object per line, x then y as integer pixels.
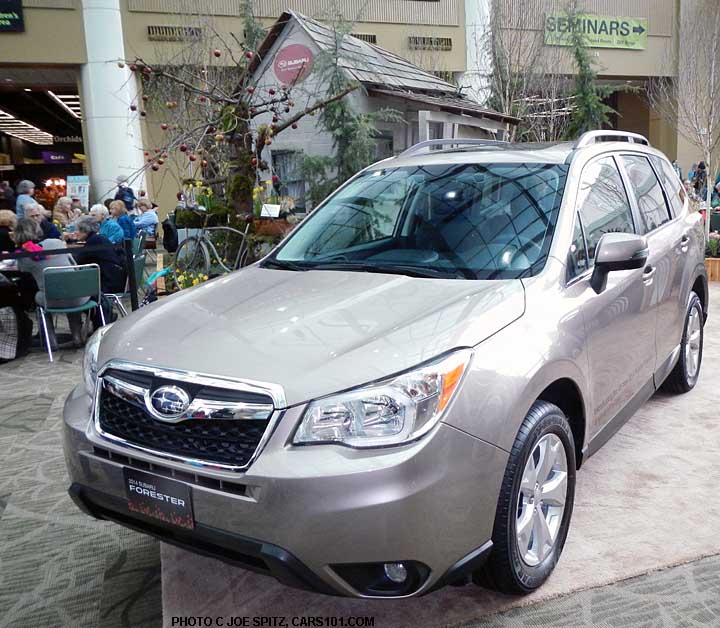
{"type": "Point", "coordinates": [398, 397]}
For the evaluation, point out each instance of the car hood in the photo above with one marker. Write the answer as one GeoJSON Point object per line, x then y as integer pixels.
{"type": "Point", "coordinates": [313, 332]}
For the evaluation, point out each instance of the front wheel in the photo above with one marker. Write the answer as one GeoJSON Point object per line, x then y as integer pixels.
{"type": "Point", "coordinates": [191, 257]}
{"type": "Point", "coordinates": [684, 376]}
{"type": "Point", "coordinates": [535, 504]}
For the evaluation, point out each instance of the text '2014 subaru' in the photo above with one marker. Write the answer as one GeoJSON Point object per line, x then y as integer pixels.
{"type": "Point", "coordinates": [399, 396]}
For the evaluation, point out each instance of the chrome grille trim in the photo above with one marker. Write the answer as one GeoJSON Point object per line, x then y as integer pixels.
{"type": "Point", "coordinates": [131, 393]}
{"type": "Point", "coordinates": [200, 408]}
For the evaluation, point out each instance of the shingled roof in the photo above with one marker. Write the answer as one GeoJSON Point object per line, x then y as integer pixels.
{"type": "Point", "coordinates": [371, 65]}
{"type": "Point", "coordinates": [380, 70]}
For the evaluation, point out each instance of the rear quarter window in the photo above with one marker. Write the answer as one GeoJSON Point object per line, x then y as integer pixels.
{"type": "Point", "coordinates": [672, 184]}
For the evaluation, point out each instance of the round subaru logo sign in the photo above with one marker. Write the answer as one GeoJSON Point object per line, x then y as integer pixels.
{"type": "Point", "coordinates": [168, 402]}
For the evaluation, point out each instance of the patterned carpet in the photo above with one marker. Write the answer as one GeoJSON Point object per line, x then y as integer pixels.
{"type": "Point", "coordinates": [682, 597]}
{"type": "Point", "coordinates": [59, 568]}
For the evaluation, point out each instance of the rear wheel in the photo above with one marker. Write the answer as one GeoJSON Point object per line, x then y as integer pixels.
{"type": "Point", "coordinates": [684, 376]}
{"type": "Point", "coordinates": [535, 504]}
{"type": "Point", "coordinates": [191, 257]}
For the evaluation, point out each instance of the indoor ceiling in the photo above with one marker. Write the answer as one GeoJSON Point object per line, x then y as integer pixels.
{"type": "Point", "coordinates": [37, 103]}
{"type": "Point", "coordinates": [26, 111]}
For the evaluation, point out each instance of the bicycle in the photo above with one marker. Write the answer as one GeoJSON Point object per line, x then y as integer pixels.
{"type": "Point", "coordinates": [199, 254]}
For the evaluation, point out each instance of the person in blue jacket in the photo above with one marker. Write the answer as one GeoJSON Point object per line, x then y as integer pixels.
{"type": "Point", "coordinates": [109, 227]}
{"type": "Point", "coordinates": [119, 212]}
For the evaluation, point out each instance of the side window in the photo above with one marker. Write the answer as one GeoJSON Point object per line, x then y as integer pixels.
{"type": "Point", "coordinates": [577, 256]}
{"type": "Point", "coordinates": [603, 204]}
{"type": "Point", "coordinates": [651, 200]}
{"type": "Point", "coordinates": [673, 186]}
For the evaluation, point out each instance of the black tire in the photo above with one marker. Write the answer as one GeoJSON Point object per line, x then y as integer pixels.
{"type": "Point", "coordinates": [505, 569]}
{"type": "Point", "coordinates": [679, 381]}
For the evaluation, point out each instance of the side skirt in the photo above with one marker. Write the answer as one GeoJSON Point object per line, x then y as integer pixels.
{"type": "Point", "coordinates": [614, 424]}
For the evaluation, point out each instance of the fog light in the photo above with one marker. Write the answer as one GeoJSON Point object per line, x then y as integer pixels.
{"type": "Point", "coordinates": [391, 579]}
{"type": "Point", "coordinates": [395, 572]}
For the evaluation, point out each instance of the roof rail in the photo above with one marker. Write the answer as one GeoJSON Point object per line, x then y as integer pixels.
{"type": "Point", "coordinates": [595, 137]}
{"type": "Point", "coordinates": [421, 146]}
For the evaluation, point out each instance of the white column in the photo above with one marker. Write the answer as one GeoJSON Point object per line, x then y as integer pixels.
{"type": "Point", "coordinates": [114, 138]}
{"type": "Point", "coordinates": [478, 62]}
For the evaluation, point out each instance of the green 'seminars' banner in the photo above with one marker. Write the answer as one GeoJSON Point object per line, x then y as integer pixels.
{"type": "Point", "coordinates": [11, 16]}
{"type": "Point", "coordinates": [600, 31]}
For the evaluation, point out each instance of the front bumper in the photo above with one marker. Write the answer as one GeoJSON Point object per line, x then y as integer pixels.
{"type": "Point", "coordinates": [298, 512]}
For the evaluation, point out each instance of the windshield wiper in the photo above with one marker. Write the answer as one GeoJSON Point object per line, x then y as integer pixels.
{"type": "Point", "coordinates": [393, 269]}
{"type": "Point", "coordinates": [283, 265]}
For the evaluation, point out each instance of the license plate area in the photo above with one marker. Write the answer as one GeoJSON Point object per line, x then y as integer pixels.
{"type": "Point", "coordinates": [159, 498]}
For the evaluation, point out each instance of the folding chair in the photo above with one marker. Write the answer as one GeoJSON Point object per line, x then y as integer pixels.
{"type": "Point", "coordinates": [115, 299]}
{"type": "Point", "coordinates": [69, 282]}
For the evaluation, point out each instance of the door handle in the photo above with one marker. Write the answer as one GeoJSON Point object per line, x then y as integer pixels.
{"type": "Point", "coordinates": [649, 274]}
{"type": "Point", "coordinates": [684, 244]}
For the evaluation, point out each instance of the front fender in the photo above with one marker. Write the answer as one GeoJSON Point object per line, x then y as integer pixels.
{"type": "Point", "coordinates": [508, 373]}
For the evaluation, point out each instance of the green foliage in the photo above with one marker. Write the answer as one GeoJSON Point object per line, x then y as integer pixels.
{"type": "Point", "coordinates": [713, 246]}
{"type": "Point", "coordinates": [590, 111]}
{"type": "Point", "coordinates": [253, 30]}
{"type": "Point", "coordinates": [354, 143]}
{"type": "Point", "coordinates": [316, 171]}
{"type": "Point", "coordinates": [353, 134]}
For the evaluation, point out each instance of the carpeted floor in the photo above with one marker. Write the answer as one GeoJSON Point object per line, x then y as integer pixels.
{"type": "Point", "coordinates": [59, 567]}
{"type": "Point", "coordinates": [687, 596]}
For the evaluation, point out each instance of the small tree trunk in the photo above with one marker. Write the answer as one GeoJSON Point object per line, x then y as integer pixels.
{"type": "Point", "coordinates": [241, 176]}
{"type": "Point", "coordinates": [708, 196]}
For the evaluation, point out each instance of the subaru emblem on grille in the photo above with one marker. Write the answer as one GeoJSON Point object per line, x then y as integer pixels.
{"type": "Point", "coordinates": [167, 403]}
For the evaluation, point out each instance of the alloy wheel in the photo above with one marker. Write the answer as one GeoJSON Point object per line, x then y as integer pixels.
{"type": "Point", "coordinates": [541, 500]}
{"type": "Point", "coordinates": [693, 341]}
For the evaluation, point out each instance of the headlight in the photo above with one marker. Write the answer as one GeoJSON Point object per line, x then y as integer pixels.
{"type": "Point", "coordinates": [90, 367]}
{"type": "Point", "coordinates": [392, 412]}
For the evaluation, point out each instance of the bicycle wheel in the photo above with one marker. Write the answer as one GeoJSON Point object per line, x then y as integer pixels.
{"type": "Point", "coordinates": [191, 256]}
{"type": "Point", "coordinates": [225, 245]}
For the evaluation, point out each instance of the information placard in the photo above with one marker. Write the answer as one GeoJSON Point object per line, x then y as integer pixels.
{"type": "Point", "coordinates": [599, 31]}
{"type": "Point", "coordinates": [11, 16]}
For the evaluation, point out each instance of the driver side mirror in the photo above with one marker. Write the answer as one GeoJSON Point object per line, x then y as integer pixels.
{"type": "Point", "coordinates": [617, 251]}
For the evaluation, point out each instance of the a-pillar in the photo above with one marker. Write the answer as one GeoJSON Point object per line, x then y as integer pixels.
{"type": "Point", "coordinates": [113, 135]}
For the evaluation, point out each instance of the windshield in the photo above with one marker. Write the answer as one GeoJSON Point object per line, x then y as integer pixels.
{"type": "Point", "coordinates": [473, 221]}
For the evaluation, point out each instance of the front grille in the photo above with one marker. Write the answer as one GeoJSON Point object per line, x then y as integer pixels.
{"type": "Point", "coordinates": [227, 442]}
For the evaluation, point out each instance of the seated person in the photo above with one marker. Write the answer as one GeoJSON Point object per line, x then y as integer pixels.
{"type": "Point", "coordinates": [64, 213]}
{"type": "Point", "coordinates": [147, 221]}
{"type": "Point", "coordinates": [8, 220]}
{"type": "Point", "coordinates": [109, 227]}
{"type": "Point", "coordinates": [715, 199]}
{"type": "Point", "coordinates": [37, 213]}
{"type": "Point", "coordinates": [26, 235]}
{"type": "Point", "coordinates": [110, 261]}
{"type": "Point", "coordinates": [119, 212]}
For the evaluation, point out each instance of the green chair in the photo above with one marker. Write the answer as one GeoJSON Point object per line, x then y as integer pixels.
{"type": "Point", "coordinates": [139, 243]}
{"type": "Point", "coordinates": [115, 299]}
{"type": "Point", "coordinates": [714, 221]}
{"type": "Point", "coordinates": [69, 282]}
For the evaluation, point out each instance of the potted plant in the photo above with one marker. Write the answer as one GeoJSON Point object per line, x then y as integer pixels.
{"type": "Point", "coordinates": [712, 257]}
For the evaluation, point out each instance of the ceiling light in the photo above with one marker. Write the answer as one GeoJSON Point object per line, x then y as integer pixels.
{"type": "Point", "coordinates": [10, 125]}
{"type": "Point", "coordinates": [27, 89]}
{"type": "Point", "coordinates": [69, 102]}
